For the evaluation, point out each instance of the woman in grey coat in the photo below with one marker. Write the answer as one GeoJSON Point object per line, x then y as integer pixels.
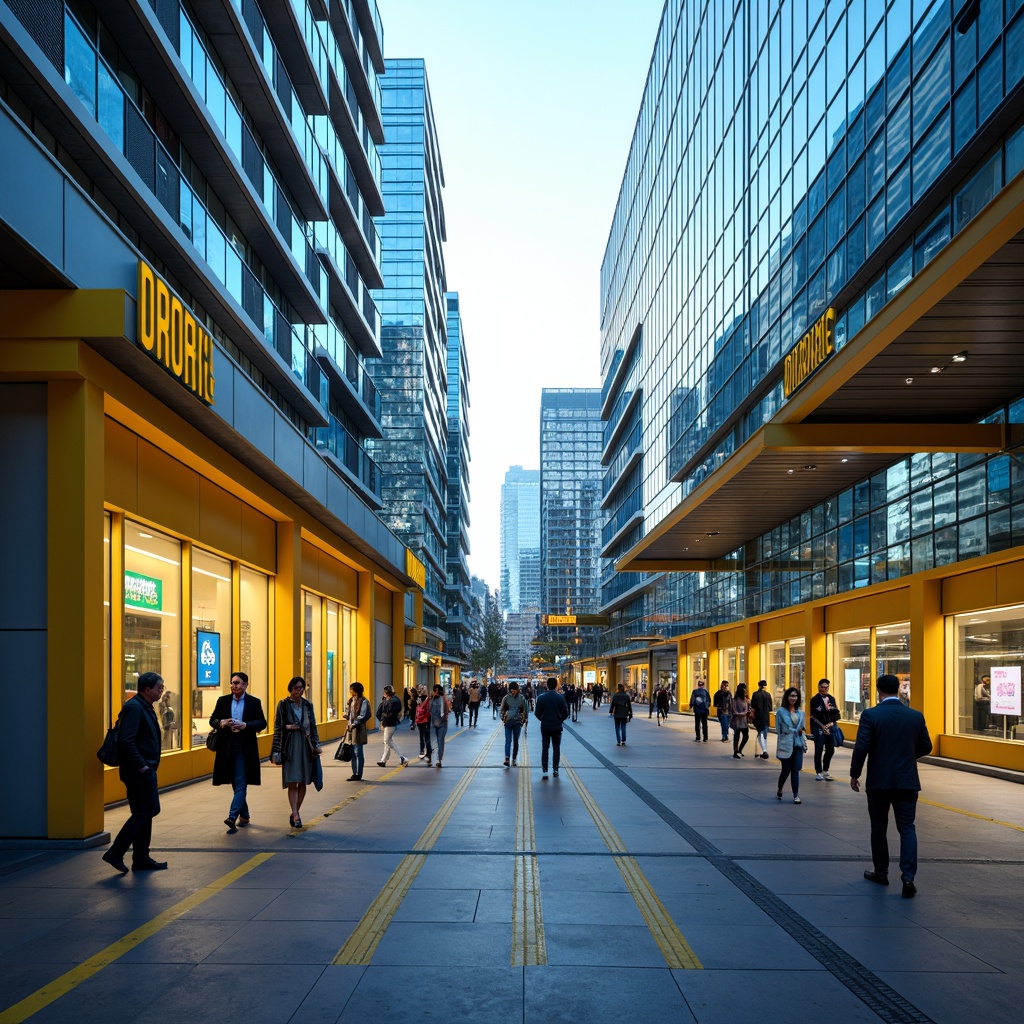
{"type": "Point", "coordinates": [296, 745]}
{"type": "Point", "coordinates": [789, 730]}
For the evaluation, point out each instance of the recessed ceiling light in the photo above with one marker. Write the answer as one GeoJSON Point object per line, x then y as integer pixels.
{"type": "Point", "coordinates": [909, 380]}
{"type": "Point", "coordinates": [146, 536]}
{"type": "Point", "coordinates": [960, 357]}
{"type": "Point", "coordinates": [810, 466]}
{"type": "Point", "coordinates": [790, 472]}
{"type": "Point", "coordinates": [712, 533]}
{"type": "Point", "coordinates": [844, 460]}
{"type": "Point", "coordinates": [936, 369]}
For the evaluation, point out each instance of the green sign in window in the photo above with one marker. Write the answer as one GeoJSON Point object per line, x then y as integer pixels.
{"type": "Point", "coordinates": [143, 592]}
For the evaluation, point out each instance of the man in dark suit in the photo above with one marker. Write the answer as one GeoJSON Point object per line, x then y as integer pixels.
{"type": "Point", "coordinates": [551, 711]}
{"type": "Point", "coordinates": [892, 737]}
{"type": "Point", "coordinates": [237, 717]}
{"type": "Point", "coordinates": [138, 745]}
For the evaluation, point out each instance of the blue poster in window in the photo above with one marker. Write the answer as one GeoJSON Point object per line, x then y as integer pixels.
{"type": "Point", "coordinates": [207, 658]}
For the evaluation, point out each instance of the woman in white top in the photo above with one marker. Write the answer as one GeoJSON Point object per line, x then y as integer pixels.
{"type": "Point", "coordinates": [789, 729]}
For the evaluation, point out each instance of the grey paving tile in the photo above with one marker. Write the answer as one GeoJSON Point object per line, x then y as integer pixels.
{"type": "Point", "coordinates": [405, 941]}
{"type": "Point", "coordinates": [757, 992]}
{"type": "Point", "coordinates": [581, 875]}
{"type": "Point", "coordinates": [183, 941]}
{"type": "Point", "coordinates": [35, 902]}
{"type": "Point", "coordinates": [902, 949]}
{"type": "Point", "coordinates": [569, 995]}
{"type": "Point", "coordinates": [291, 942]}
{"type": "Point", "coordinates": [428, 905]}
{"type": "Point", "coordinates": [20, 980]}
{"type": "Point", "coordinates": [721, 947]}
{"type": "Point", "coordinates": [326, 1000]}
{"type": "Point", "coordinates": [726, 905]}
{"type": "Point", "coordinates": [599, 908]}
{"type": "Point", "coordinates": [576, 945]}
{"type": "Point", "coordinates": [953, 998]}
{"type": "Point", "coordinates": [1000, 948]}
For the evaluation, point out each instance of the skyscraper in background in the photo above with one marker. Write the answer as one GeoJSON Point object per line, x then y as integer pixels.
{"type": "Point", "coordinates": [571, 442]}
{"type": "Point", "coordinates": [457, 579]}
{"type": "Point", "coordinates": [412, 372]}
{"type": "Point", "coordinates": [520, 539]}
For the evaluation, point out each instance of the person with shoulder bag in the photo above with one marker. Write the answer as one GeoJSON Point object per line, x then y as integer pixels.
{"type": "Point", "coordinates": [621, 710]}
{"type": "Point", "coordinates": [791, 741]}
{"type": "Point", "coordinates": [357, 714]}
{"type": "Point", "coordinates": [389, 714]}
{"type": "Point", "coordinates": [761, 703]}
{"type": "Point", "coordinates": [513, 715]}
{"type": "Point", "coordinates": [296, 745]}
{"type": "Point", "coordinates": [824, 714]}
{"type": "Point", "coordinates": [439, 708]}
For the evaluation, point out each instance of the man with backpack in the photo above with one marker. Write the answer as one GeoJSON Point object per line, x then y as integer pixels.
{"type": "Point", "coordinates": [700, 705]}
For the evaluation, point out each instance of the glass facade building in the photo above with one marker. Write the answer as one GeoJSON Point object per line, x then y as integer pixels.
{"type": "Point", "coordinates": [520, 540]}
{"type": "Point", "coordinates": [411, 373]}
{"type": "Point", "coordinates": [457, 579]}
{"type": "Point", "coordinates": [187, 253]}
{"type": "Point", "coordinates": [808, 397]}
{"type": "Point", "coordinates": [571, 440]}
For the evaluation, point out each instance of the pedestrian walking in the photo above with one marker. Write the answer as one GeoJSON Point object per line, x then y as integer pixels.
{"type": "Point", "coordinates": [740, 721]}
{"type": "Point", "coordinates": [138, 746]}
{"type": "Point", "coordinates": [357, 714]}
{"type": "Point", "coordinates": [723, 709]}
{"type": "Point", "coordinates": [892, 738]}
{"type": "Point", "coordinates": [423, 724]}
{"type": "Point", "coordinates": [474, 704]}
{"type": "Point", "coordinates": [238, 718]}
{"type": "Point", "coordinates": [662, 701]}
{"type": "Point", "coordinates": [389, 714]}
{"type": "Point", "coordinates": [459, 704]}
{"type": "Point", "coordinates": [791, 743]}
{"type": "Point", "coordinates": [514, 711]}
{"type": "Point", "coordinates": [824, 714]}
{"type": "Point", "coordinates": [296, 745]}
{"type": "Point", "coordinates": [621, 710]}
{"type": "Point", "coordinates": [551, 711]}
{"type": "Point", "coordinates": [700, 705]}
{"type": "Point", "coordinates": [439, 709]}
{"type": "Point", "coordinates": [761, 702]}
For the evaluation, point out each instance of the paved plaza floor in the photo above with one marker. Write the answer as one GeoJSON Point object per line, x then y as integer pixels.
{"type": "Point", "coordinates": [661, 878]}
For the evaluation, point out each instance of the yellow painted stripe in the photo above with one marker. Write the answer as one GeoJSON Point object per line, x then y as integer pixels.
{"type": "Point", "coordinates": [971, 814]}
{"type": "Point", "coordinates": [529, 948]}
{"type": "Point", "coordinates": [674, 947]}
{"type": "Point", "coordinates": [366, 936]}
{"type": "Point", "coordinates": [66, 982]}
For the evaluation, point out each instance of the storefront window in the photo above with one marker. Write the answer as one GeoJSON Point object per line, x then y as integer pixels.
{"type": "Point", "coordinates": [335, 646]}
{"type": "Point", "coordinates": [776, 670]}
{"type": "Point", "coordinates": [734, 665]}
{"type": "Point", "coordinates": [698, 663]}
{"type": "Point", "coordinates": [852, 683]}
{"type": "Point", "coordinates": [313, 646]}
{"type": "Point", "coordinates": [152, 620]}
{"type": "Point", "coordinates": [348, 650]}
{"type": "Point", "coordinates": [211, 637]}
{"type": "Point", "coordinates": [989, 663]}
{"type": "Point", "coordinates": [665, 665]}
{"type": "Point", "coordinates": [254, 634]}
{"type": "Point", "coordinates": [796, 667]}
{"type": "Point", "coordinates": [892, 655]}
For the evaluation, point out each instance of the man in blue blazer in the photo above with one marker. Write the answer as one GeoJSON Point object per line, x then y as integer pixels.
{"type": "Point", "coordinates": [892, 737]}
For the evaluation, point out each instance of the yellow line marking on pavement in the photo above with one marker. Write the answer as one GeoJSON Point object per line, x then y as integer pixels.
{"type": "Point", "coordinates": [971, 814]}
{"type": "Point", "coordinates": [53, 990]}
{"type": "Point", "coordinates": [673, 946]}
{"type": "Point", "coordinates": [528, 946]}
{"type": "Point", "coordinates": [363, 942]}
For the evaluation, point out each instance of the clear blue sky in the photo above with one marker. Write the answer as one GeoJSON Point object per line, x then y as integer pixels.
{"type": "Point", "coordinates": [535, 103]}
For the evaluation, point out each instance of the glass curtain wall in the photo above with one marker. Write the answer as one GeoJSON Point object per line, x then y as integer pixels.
{"type": "Point", "coordinates": [212, 620]}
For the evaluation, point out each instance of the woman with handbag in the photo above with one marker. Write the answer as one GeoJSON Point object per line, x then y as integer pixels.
{"type": "Point", "coordinates": [357, 714]}
{"type": "Point", "coordinates": [789, 732]}
{"type": "Point", "coordinates": [741, 715]}
{"type": "Point", "coordinates": [423, 724]}
{"type": "Point", "coordinates": [438, 708]}
{"type": "Point", "coordinates": [296, 745]}
{"type": "Point", "coordinates": [824, 714]}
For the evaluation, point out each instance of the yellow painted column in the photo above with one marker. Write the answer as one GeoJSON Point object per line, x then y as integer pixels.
{"type": "Point", "coordinates": [288, 611]}
{"type": "Point", "coordinates": [398, 642]}
{"type": "Point", "coordinates": [365, 616]}
{"type": "Point", "coordinates": [74, 584]}
{"type": "Point", "coordinates": [927, 653]}
{"type": "Point", "coordinates": [755, 670]}
{"type": "Point", "coordinates": [815, 650]}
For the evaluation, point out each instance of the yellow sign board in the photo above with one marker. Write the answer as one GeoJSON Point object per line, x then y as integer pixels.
{"type": "Point", "coordinates": [170, 333]}
{"type": "Point", "coordinates": [416, 569]}
{"type": "Point", "coordinates": [816, 346]}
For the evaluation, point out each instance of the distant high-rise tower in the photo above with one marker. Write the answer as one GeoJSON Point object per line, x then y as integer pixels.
{"type": "Point", "coordinates": [458, 596]}
{"type": "Point", "coordinates": [571, 441]}
{"type": "Point", "coordinates": [520, 539]}
{"type": "Point", "coordinates": [412, 374]}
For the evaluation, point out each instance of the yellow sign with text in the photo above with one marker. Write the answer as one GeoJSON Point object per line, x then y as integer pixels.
{"type": "Point", "coordinates": [416, 569]}
{"type": "Point", "coordinates": [813, 349]}
{"type": "Point", "coordinates": [170, 333]}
